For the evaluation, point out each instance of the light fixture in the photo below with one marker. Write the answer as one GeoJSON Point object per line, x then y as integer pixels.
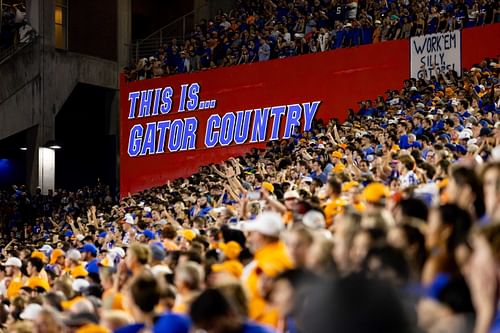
{"type": "Point", "coordinates": [23, 148]}
{"type": "Point", "coordinates": [52, 144]}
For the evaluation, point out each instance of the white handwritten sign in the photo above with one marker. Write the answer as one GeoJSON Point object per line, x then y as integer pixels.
{"type": "Point", "coordinates": [431, 54]}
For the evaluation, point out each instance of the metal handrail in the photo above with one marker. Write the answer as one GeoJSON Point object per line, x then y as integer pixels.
{"type": "Point", "coordinates": [182, 18]}
{"type": "Point", "coordinates": [178, 28]}
{"type": "Point", "coordinates": [13, 49]}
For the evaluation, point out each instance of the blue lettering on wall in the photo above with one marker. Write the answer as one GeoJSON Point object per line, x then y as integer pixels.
{"type": "Point", "coordinates": [242, 126]}
{"type": "Point", "coordinates": [277, 112]}
{"type": "Point", "coordinates": [175, 137]}
{"type": "Point", "coordinates": [145, 105]}
{"type": "Point", "coordinates": [260, 125]}
{"type": "Point", "coordinates": [211, 135]}
{"type": "Point", "coordinates": [134, 140]}
{"type": "Point", "coordinates": [189, 135]}
{"type": "Point", "coordinates": [292, 119]}
{"type": "Point", "coordinates": [132, 97]}
{"type": "Point", "coordinates": [227, 130]}
{"type": "Point", "coordinates": [310, 110]}
{"type": "Point", "coordinates": [149, 141]}
{"type": "Point", "coordinates": [192, 104]}
{"type": "Point", "coordinates": [162, 127]}
{"type": "Point", "coordinates": [156, 102]}
{"type": "Point", "coordinates": [182, 103]}
{"type": "Point", "coordinates": [166, 98]}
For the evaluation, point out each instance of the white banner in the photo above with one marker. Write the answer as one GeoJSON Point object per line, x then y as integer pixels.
{"type": "Point", "coordinates": [432, 54]}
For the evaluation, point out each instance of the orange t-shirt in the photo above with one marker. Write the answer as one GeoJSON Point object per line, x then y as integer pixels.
{"type": "Point", "coordinates": [332, 208]}
{"type": "Point", "coordinates": [270, 260]}
{"type": "Point", "coordinates": [112, 300]}
{"type": "Point", "coordinates": [15, 286]}
{"type": "Point", "coordinates": [170, 245]}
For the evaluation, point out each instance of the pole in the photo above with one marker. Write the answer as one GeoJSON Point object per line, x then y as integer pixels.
{"type": "Point", "coordinates": [183, 27]}
{"type": "Point", "coordinates": [1, 14]}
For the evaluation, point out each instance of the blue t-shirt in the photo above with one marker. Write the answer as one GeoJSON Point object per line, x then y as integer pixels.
{"type": "Point", "coordinates": [366, 35]}
{"type": "Point", "coordinates": [133, 328]}
{"type": "Point", "coordinates": [418, 131]}
{"type": "Point", "coordinates": [172, 323]}
{"type": "Point", "coordinates": [368, 151]}
{"type": "Point", "coordinates": [92, 266]}
{"type": "Point", "coordinates": [250, 327]}
{"type": "Point", "coordinates": [403, 142]}
{"type": "Point", "coordinates": [356, 36]}
{"type": "Point", "coordinates": [322, 176]}
{"type": "Point", "coordinates": [202, 212]}
{"type": "Point", "coordinates": [339, 39]}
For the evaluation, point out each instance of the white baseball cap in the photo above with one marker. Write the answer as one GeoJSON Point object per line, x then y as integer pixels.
{"type": "Point", "coordinates": [46, 248]}
{"type": "Point", "coordinates": [464, 135]}
{"type": "Point", "coordinates": [267, 223]}
{"type": "Point", "coordinates": [159, 270]}
{"type": "Point", "coordinates": [291, 195]}
{"type": "Point", "coordinates": [472, 142]}
{"type": "Point", "coordinates": [468, 130]}
{"type": "Point", "coordinates": [118, 251]}
{"type": "Point", "coordinates": [129, 219]}
{"type": "Point", "coordinates": [307, 179]}
{"type": "Point", "coordinates": [79, 285]}
{"type": "Point", "coordinates": [80, 237]}
{"type": "Point", "coordinates": [313, 219]}
{"type": "Point", "coordinates": [74, 255]}
{"type": "Point", "coordinates": [31, 311]}
{"type": "Point", "coordinates": [13, 261]}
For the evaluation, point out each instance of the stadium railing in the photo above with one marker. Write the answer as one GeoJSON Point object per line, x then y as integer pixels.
{"type": "Point", "coordinates": [178, 28]}
{"type": "Point", "coordinates": [7, 53]}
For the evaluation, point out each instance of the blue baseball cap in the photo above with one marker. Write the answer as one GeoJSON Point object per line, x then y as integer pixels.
{"type": "Point", "coordinates": [93, 267]}
{"type": "Point", "coordinates": [450, 146]}
{"type": "Point", "coordinates": [158, 253]}
{"type": "Point", "coordinates": [159, 244]}
{"type": "Point", "coordinates": [90, 248]}
{"type": "Point", "coordinates": [102, 234]}
{"type": "Point", "coordinates": [445, 136]}
{"type": "Point", "coordinates": [68, 233]}
{"type": "Point", "coordinates": [484, 123]}
{"type": "Point", "coordinates": [461, 149]}
{"type": "Point", "coordinates": [172, 323]}
{"type": "Point", "coordinates": [149, 234]}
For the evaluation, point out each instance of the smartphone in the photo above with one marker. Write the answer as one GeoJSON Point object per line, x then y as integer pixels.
{"type": "Point", "coordinates": [254, 195]}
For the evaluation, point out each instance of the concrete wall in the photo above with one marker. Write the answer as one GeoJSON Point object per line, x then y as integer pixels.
{"type": "Point", "coordinates": [93, 28]}
{"type": "Point", "coordinates": [21, 103]}
{"type": "Point", "coordinates": [36, 81]}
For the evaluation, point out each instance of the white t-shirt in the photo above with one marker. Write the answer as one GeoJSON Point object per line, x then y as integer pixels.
{"type": "Point", "coordinates": [323, 41]}
{"type": "Point", "coordinates": [410, 179]}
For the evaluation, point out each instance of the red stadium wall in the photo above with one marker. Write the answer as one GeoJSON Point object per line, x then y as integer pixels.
{"type": "Point", "coordinates": [480, 42]}
{"type": "Point", "coordinates": [339, 79]}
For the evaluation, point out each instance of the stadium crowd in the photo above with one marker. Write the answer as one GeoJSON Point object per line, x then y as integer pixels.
{"type": "Point", "coordinates": [387, 222]}
{"type": "Point", "coordinates": [261, 30]}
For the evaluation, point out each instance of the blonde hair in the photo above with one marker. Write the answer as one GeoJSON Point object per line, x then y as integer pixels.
{"type": "Point", "coordinates": [141, 252]}
{"type": "Point", "coordinates": [24, 326]}
{"type": "Point", "coordinates": [115, 319]}
{"type": "Point", "coordinates": [191, 274]}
